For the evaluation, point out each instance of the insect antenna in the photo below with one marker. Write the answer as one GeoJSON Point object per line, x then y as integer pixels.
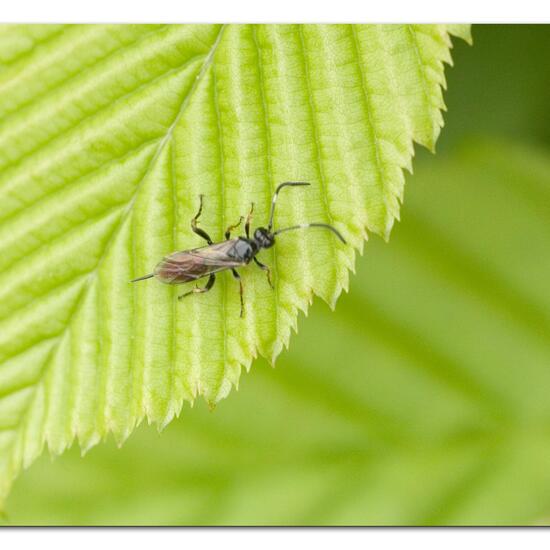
{"type": "Point", "coordinates": [306, 225]}
{"type": "Point", "coordinates": [274, 200]}
{"type": "Point", "coordinates": [143, 278]}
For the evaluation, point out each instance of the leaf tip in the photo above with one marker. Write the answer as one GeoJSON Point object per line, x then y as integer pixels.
{"type": "Point", "coordinates": [85, 447]}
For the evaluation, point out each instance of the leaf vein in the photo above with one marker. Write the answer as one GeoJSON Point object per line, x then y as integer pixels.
{"type": "Point", "coordinates": [117, 228]}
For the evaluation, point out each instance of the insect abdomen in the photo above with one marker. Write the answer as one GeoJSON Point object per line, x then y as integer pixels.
{"type": "Point", "coordinates": [179, 268]}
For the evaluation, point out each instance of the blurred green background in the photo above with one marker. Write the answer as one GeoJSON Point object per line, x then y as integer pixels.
{"type": "Point", "coordinates": [424, 399]}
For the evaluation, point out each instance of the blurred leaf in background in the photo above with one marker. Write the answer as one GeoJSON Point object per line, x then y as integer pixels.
{"type": "Point", "coordinates": [422, 400]}
{"type": "Point", "coordinates": [499, 87]}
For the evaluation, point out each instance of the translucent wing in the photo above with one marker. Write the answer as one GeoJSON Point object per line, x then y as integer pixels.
{"type": "Point", "coordinates": [217, 254]}
{"type": "Point", "coordinates": [190, 265]}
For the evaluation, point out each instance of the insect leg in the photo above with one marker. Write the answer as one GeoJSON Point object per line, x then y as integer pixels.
{"type": "Point", "coordinates": [238, 277]}
{"type": "Point", "coordinates": [248, 220]}
{"type": "Point", "coordinates": [205, 288]}
{"type": "Point", "coordinates": [266, 269]}
{"type": "Point", "coordinates": [231, 227]}
{"type": "Point", "coordinates": [198, 230]}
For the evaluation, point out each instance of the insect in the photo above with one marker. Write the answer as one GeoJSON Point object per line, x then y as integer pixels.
{"type": "Point", "coordinates": [207, 261]}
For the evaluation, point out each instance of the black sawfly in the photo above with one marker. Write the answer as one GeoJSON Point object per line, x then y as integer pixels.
{"type": "Point", "coordinates": [191, 265]}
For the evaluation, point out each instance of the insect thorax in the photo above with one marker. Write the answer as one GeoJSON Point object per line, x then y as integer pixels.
{"type": "Point", "coordinates": [244, 250]}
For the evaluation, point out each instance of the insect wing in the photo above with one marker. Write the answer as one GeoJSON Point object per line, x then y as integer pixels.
{"type": "Point", "coordinates": [219, 254]}
{"type": "Point", "coordinates": [190, 265]}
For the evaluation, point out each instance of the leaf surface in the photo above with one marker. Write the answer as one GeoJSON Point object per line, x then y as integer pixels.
{"type": "Point", "coordinates": [109, 134]}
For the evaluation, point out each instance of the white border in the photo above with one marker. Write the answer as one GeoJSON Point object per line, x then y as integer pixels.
{"type": "Point", "coordinates": [276, 539]}
{"type": "Point", "coordinates": [261, 11]}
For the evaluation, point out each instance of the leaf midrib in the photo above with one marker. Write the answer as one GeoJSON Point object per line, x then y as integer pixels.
{"type": "Point", "coordinates": [119, 225]}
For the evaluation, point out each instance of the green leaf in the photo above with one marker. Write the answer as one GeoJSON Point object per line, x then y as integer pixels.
{"type": "Point", "coordinates": [422, 400]}
{"type": "Point", "coordinates": [108, 135]}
